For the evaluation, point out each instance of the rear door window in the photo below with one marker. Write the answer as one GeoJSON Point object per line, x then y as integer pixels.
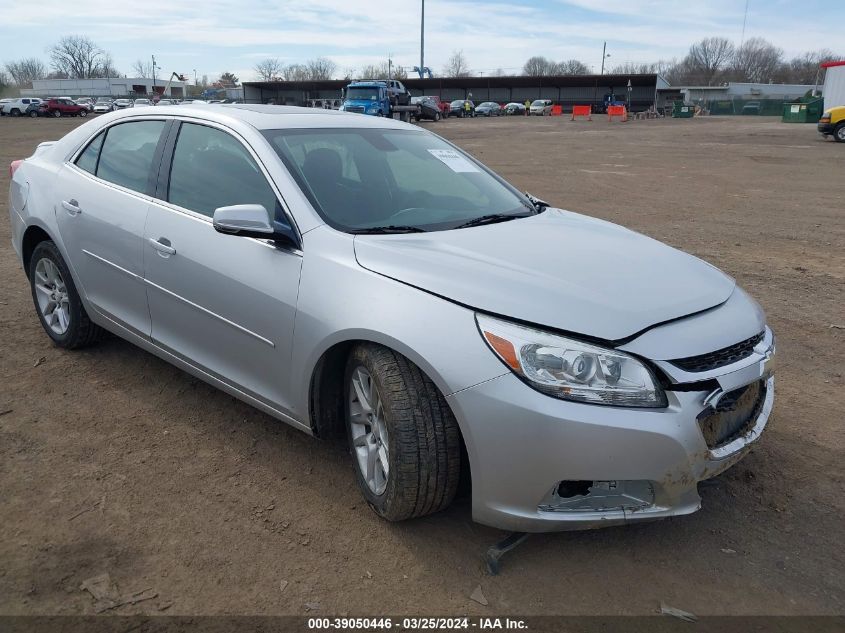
{"type": "Point", "coordinates": [126, 157]}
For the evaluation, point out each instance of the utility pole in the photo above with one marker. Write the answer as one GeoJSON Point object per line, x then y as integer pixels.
{"type": "Point", "coordinates": [422, 39]}
{"type": "Point", "coordinates": [153, 57]}
{"type": "Point", "coordinates": [603, 55]}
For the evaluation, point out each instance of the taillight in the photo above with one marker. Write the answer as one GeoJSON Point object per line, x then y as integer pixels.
{"type": "Point", "coordinates": [13, 167]}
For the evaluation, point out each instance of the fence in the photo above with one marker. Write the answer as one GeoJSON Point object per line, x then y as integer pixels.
{"type": "Point", "coordinates": [748, 107]}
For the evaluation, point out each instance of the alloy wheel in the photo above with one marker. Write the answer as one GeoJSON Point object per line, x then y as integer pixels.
{"type": "Point", "coordinates": [368, 430]}
{"type": "Point", "coordinates": [52, 295]}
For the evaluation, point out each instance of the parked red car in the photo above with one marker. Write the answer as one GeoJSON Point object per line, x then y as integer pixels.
{"type": "Point", "coordinates": [61, 107]}
{"type": "Point", "coordinates": [444, 106]}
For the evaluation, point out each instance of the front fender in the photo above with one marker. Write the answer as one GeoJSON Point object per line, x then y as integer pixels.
{"type": "Point", "coordinates": [339, 301]}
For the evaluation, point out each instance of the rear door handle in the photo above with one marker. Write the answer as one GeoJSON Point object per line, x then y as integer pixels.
{"type": "Point", "coordinates": [71, 206]}
{"type": "Point", "coordinates": [162, 245]}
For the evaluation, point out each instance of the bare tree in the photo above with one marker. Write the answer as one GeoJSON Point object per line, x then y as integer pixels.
{"type": "Point", "coordinates": [634, 68]}
{"type": "Point", "coordinates": [708, 58]}
{"type": "Point", "coordinates": [757, 61]}
{"type": "Point", "coordinates": [144, 70]}
{"type": "Point", "coordinates": [269, 69]}
{"type": "Point", "coordinates": [806, 69]}
{"type": "Point", "coordinates": [320, 69]}
{"type": "Point", "coordinates": [24, 71]}
{"type": "Point", "coordinates": [107, 68]}
{"type": "Point", "coordinates": [499, 72]}
{"type": "Point", "coordinates": [79, 58]}
{"type": "Point", "coordinates": [538, 66]}
{"type": "Point", "coordinates": [571, 67]}
{"type": "Point", "coordinates": [382, 71]}
{"type": "Point", "coordinates": [457, 65]}
{"type": "Point", "coordinates": [296, 72]}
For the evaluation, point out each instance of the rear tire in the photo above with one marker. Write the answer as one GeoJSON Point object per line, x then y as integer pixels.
{"type": "Point", "coordinates": [33, 114]}
{"type": "Point", "coordinates": [15, 112]}
{"type": "Point", "coordinates": [396, 416]}
{"type": "Point", "coordinates": [83, 113]}
{"type": "Point", "coordinates": [839, 133]}
{"type": "Point", "coordinates": [57, 114]}
{"type": "Point", "coordinates": [437, 116]}
{"type": "Point", "coordinates": [67, 323]}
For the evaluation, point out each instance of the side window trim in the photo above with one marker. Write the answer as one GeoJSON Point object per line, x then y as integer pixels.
{"type": "Point", "coordinates": [163, 182]}
{"type": "Point", "coordinates": [163, 153]}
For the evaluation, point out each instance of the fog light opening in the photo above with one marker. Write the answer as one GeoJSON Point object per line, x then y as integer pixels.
{"type": "Point", "coordinates": [573, 488]}
{"type": "Point", "coordinates": [576, 495]}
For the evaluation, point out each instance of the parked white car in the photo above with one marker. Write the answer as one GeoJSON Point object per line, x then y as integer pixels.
{"type": "Point", "coordinates": [18, 107]}
{"type": "Point", "coordinates": [103, 105]}
{"type": "Point", "coordinates": [122, 104]}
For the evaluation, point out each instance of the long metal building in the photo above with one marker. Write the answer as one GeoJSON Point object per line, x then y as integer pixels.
{"type": "Point", "coordinates": [566, 90]}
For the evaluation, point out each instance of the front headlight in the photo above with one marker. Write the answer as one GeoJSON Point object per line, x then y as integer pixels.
{"type": "Point", "coordinates": [570, 369]}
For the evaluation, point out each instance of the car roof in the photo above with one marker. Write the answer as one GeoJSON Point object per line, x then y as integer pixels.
{"type": "Point", "coordinates": [274, 117]}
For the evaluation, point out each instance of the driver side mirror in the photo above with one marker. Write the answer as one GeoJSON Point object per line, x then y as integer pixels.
{"type": "Point", "coordinates": [251, 220]}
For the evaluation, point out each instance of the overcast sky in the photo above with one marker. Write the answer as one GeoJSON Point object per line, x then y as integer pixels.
{"type": "Point", "coordinates": [213, 36]}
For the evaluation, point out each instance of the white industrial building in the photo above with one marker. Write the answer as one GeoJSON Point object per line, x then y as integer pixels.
{"type": "Point", "coordinates": [111, 87]}
{"type": "Point", "coordinates": [834, 84]}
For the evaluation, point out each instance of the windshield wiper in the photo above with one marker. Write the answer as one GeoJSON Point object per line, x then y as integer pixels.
{"type": "Point", "coordinates": [538, 204]}
{"type": "Point", "coordinates": [493, 218]}
{"type": "Point", "coordinates": [392, 228]}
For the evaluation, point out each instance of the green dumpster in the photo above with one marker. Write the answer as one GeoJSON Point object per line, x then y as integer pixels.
{"type": "Point", "coordinates": [804, 111]}
{"type": "Point", "coordinates": [681, 111]}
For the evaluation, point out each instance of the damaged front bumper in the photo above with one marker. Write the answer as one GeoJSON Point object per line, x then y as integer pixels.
{"type": "Point", "coordinates": [540, 464]}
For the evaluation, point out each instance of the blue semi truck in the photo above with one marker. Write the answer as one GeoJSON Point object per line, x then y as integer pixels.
{"type": "Point", "coordinates": [382, 97]}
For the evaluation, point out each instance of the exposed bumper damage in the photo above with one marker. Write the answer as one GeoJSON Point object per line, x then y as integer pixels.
{"type": "Point", "coordinates": [540, 464]}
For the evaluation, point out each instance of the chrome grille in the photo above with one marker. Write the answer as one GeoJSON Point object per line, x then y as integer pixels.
{"type": "Point", "coordinates": [357, 109]}
{"type": "Point", "coordinates": [733, 416]}
{"type": "Point", "coordinates": [719, 358]}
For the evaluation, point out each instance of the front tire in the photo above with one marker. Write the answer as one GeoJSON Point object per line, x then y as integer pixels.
{"type": "Point", "coordinates": [56, 300]}
{"type": "Point", "coordinates": [83, 113]}
{"type": "Point", "coordinates": [839, 133]}
{"type": "Point", "coordinates": [402, 435]}
{"type": "Point", "coordinates": [57, 114]}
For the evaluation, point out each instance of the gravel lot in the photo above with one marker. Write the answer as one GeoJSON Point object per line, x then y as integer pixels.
{"type": "Point", "coordinates": [113, 461]}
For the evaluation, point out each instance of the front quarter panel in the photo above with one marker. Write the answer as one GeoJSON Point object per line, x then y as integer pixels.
{"type": "Point", "coordinates": [340, 301]}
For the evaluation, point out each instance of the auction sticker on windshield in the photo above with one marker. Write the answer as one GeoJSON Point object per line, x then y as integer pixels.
{"type": "Point", "coordinates": [453, 160]}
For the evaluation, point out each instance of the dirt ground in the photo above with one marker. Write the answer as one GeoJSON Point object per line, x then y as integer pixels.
{"type": "Point", "coordinates": [113, 461]}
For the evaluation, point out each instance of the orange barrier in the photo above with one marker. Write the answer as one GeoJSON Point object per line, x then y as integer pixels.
{"type": "Point", "coordinates": [613, 111]}
{"type": "Point", "coordinates": [586, 111]}
{"type": "Point", "coordinates": [557, 110]}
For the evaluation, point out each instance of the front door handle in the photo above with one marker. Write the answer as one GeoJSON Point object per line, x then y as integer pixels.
{"type": "Point", "coordinates": [162, 245]}
{"type": "Point", "coordinates": [71, 206]}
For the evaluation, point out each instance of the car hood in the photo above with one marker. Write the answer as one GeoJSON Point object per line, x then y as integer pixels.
{"type": "Point", "coordinates": [557, 269]}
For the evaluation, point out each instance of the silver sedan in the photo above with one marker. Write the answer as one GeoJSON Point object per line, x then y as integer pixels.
{"type": "Point", "coordinates": [358, 276]}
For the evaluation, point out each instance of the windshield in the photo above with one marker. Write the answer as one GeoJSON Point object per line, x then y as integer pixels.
{"type": "Point", "coordinates": [360, 179]}
{"type": "Point", "coordinates": [539, 102]}
{"type": "Point", "coordinates": [367, 94]}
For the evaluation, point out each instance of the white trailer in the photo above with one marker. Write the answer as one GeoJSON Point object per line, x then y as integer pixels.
{"type": "Point", "coordinates": [834, 84]}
